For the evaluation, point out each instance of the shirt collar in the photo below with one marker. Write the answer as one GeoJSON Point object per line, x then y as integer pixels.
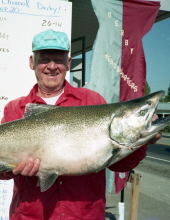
{"type": "Point", "coordinates": [33, 98]}
{"type": "Point", "coordinates": [70, 90]}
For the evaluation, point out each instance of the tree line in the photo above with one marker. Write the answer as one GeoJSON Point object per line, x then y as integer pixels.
{"type": "Point", "coordinates": [166, 98]}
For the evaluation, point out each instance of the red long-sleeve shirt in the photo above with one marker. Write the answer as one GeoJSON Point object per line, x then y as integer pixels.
{"type": "Point", "coordinates": [70, 197]}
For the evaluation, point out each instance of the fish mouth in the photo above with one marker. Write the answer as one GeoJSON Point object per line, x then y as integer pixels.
{"type": "Point", "coordinates": [151, 128]}
{"type": "Point", "coordinates": [150, 125]}
{"type": "Point", "coordinates": [149, 118]}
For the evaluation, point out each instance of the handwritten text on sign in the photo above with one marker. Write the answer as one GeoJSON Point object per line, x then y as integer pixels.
{"type": "Point", "coordinates": [19, 22]}
{"type": "Point", "coordinates": [39, 7]}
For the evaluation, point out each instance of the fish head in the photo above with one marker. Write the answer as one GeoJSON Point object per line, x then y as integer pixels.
{"type": "Point", "coordinates": [132, 125]}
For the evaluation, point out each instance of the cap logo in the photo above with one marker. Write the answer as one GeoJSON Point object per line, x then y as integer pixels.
{"type": "Point", "coordinates": [50, 37]}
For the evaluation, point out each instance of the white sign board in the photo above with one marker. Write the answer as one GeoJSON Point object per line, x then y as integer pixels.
{"type": "Point", "coordinates": [19, 22]}
{"type": "Point", "coordinates": [6, 190]}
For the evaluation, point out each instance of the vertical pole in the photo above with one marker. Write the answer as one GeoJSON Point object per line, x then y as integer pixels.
{"type": "Point", "coordinates": [134, 198]}
{"type": "Point", "coordinates": [122, 196]}
{"type": "Point", "coordinates": [83, 61]}
{"type": "Point", "coordinates": [121, 206]}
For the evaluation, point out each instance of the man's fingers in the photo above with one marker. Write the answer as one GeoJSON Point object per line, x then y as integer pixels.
{"type": "Point", "coordinates": [35, 168]}
{"type": "Point", "coordinates": [28, 169]}
{"type": "Point", "coordinates": [158, 136]}
{"type": "Point", "coordinates": [155, 139]}
{"type": "Point", "coordinates": [155, 117]}
{"type": "Point", "coordinates": [19, 168]}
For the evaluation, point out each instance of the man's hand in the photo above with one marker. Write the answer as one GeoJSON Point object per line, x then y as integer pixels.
{"type": "Point", "coordinates": [155, 139]}
{"type": "Point", "coordinates": [158, 136]}
{"type": "Point", "coordinates": [29, 168]}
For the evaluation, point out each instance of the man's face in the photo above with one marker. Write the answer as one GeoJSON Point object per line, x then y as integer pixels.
{"type": "Point", "coordinates": [50, 68]}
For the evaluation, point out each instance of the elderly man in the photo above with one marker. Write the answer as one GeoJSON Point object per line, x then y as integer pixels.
{"type": "Point", "coordinates": [70, 197]}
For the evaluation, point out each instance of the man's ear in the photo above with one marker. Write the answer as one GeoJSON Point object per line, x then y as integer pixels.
{"type": "Point", "coordinates": [31, 62]}
{"type": "Point", "coordinates": [69, 63]}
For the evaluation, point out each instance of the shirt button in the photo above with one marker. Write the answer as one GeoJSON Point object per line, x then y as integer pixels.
{"type": "Point", "coordinates": [61, 182]}
{"type": "Point", "coordinates": [63, 214]}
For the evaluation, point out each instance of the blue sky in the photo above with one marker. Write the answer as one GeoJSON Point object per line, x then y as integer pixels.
{"type": "Point", "coordinates": [157, 53]}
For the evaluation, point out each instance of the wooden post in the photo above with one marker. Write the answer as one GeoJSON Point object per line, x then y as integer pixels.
{"type": "Point", "coordinates": [134, 179]}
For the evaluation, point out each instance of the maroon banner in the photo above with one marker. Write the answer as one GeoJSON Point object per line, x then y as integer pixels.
{"type": "Point", "coordinates": [137, 19]}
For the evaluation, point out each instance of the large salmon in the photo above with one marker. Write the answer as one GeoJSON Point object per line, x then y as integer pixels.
{"type": "Point", "coordinates": [78, 140]}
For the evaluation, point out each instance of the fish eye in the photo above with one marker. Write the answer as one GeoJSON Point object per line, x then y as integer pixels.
{"type": "Point", "coordinates": [142, 112]}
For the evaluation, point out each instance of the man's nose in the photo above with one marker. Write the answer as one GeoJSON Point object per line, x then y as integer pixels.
{"type": "Point", "coordinates": [52, 65]}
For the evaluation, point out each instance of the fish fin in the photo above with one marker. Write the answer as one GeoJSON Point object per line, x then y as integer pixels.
{"type": "Point", "coordinates": [33, 109]}
{"type": "Point", "coordinates": [110, 161]}
{"type": "Point", "coordinates": [46, 180]}
{"type": "Point", "coordinates": [5, 167]}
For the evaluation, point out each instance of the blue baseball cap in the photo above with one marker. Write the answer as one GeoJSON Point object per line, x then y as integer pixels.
{"type": "Point", "coordinates": [51, 39]}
